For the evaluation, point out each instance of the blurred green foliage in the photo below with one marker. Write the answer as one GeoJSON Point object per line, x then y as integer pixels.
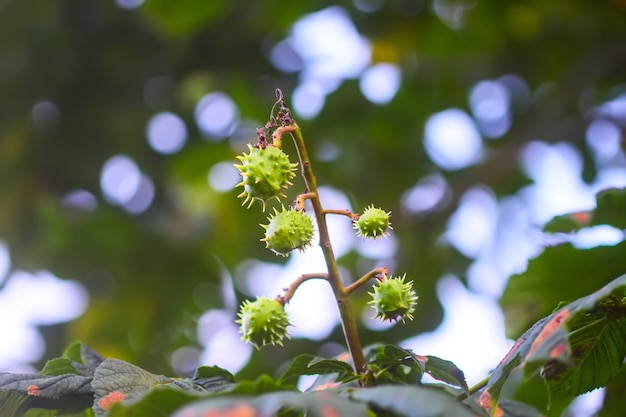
{"type": "Point", "coordinates": [150, 276]}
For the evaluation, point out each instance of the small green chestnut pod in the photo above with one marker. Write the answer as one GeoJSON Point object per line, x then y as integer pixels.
{"type": "Point", "coordinates": [373, 223]}
{"type": "Point", "coordinates": [393, 299]}
{"type": "Point", "coordinates": [287, 230]}
{"type": "Point", "coordinates": [263, 322]}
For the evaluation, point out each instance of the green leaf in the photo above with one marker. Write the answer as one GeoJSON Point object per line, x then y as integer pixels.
{"type": "Point", "coordinates": [611, 208]}
{"type": "Point", "coordinates": [51, 395]}
{"type": "Point", "coordinates": [312, 365]}
{"type": "Point", "coordinates": [440, 369]}
{"type": "Point", "coordinates": [161, 400]}
{"type": "Point", "coordinates": [210, 372]}
{"type": "Point", "coordinates": [261, 385]}
{"type": "Point", "coordinates": [411, 401]}
{"type": "Point", "coordinates": [60, 366]}
{"type": "Point", "coordinates": [560, 273]}
{"type": "Point", "coordinates": [579, 347]}
{"type": "Point", "coordinates": [77, 359]}
{"type": "Point", "coordinates": [116, 380]}
{"type": "Point", "coordinates": [316, 404]}
{"type": "Point", "coordinates": [568, 223]}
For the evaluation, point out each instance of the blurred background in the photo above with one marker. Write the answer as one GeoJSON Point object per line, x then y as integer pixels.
{"type": "Point", "coordinates": [473, 122]}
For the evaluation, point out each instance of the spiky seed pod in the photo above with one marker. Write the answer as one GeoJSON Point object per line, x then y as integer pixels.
{"type": "Point", "coordinates": [287, 230]}
{"type": "Point", "coordinates": [263, 322]}
{"type": "Point", "coordinates": [393, 299]}
{"type": "Point", "coordinates": [373, 223]}
{"type": "Point", "coordinates": [265, 171]}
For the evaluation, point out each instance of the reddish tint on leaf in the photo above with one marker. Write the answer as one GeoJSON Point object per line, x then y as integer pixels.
{"type": "Point", "coordinates": [512, 350]}
{"type": "Point", "coordinates": [582, 217]}
{"type": "Point", "coordinates": [558, 350]}
{"type": "Point", "coordinates": [33, 390]}
{"type": "Point", "coordinates": [547, 330]}
{"type": "Point", "coordinates": [421, 359]}
{"type": "Point", "coordinates": [240, 410]}
{"type": "Point", "coordinates": [344, 357]}
{"type": "Point", "coordinates": [107, 401]}
{"type": "Point", "coordinates": [485, 402]}
{"type": "Point", "coordinates": [328, 411]}
{"type": "Point", "coordinates": [327, 385]}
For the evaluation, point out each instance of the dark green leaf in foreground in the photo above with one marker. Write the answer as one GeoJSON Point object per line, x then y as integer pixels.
{"type": "Point", "coordinates": [81, 380]}
{"type": "Point", "coordinates": [55, 395]}
{"type": "Point", "coordinates": [578, 348]}
{"type": "Point", "coordinates": [411, 401]}
{"type": "Point", "coordinates": [116, 380]}
{"type": "Point", "coordinates": [316, 404]}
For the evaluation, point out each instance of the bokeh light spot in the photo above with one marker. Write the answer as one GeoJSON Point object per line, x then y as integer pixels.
{"type": "Point", "coordinates": [217, 115]}
{"type": "Point", "coordinates": [379, 83]}
{"type": "Point", "coordinates": [221, 339]}
{"type": "Point", "coordinates": [430, 193]}
{"type": "Point", "coordinates": [285, 58]}
{"type": "Point", "coordinates": [471, 226]}
{"type": "Point", "coordinates": [80, 200]}
{"type": "Point", "coordinates": [5, 261]}
{"type": "Point", "coordinates": [601, 235]}
{"type": "Point", "coordinates": [129, 4]}
{"type": "Point", "coordinates": [143, 197]}
{"type": "Point", "coordinates": [604, 140]}
{"type": "Point", "coordinates": [308, 100]}
{"type": "Point", "coordinates": [185, 360]}
{"type": "Point", "coordinates": [368, 6]}
{"type": "Point", "coordinates": [489, 101]}
{"type": "Point", "coordinates": [119, 179]}
{"type": "Point", "coordinates": [45, 114]}
{"type": "Point", "coordinates": [166, 133]}
{"type": "Point", "coordinates": [223, 177]}
{"type": "Point", "coordinates": [452, 140]}
{"type": "Point", "coordinates": [330, 45]}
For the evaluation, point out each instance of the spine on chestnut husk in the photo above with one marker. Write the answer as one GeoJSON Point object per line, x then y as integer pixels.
{"type": "Point", "coordinates": [266, 171]}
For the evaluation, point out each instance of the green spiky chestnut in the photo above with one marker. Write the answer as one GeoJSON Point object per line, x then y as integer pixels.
{"type": "Point", "coordinates": [373, 223]}
{"type": "Point", "coordinates": [263, 322]}
{"type": "Point", "coordinates": [265, 171]}
{"type": "Point", "coordinates": [393, 299]}
{"type": "Point", "coordinates": [287, 230]}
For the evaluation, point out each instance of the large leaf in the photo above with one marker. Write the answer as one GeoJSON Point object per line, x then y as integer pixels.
{"type": "Point", "coordinates": [392, 356]}
{"type": "Point", "coordinates": [578, 348]}
{"type": "Point", "coordinates": [63, 388]}
{"type": "Point", "coordinates": [411, 401]}
{"type": "Point", "coordinates": [82, 379]}
{"type": "Point", "coordinates": [560, 273]}
{"type": "Point", "coordinates": [116, 380]}
{"type": "Point", "coordinates": [317, 404]}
